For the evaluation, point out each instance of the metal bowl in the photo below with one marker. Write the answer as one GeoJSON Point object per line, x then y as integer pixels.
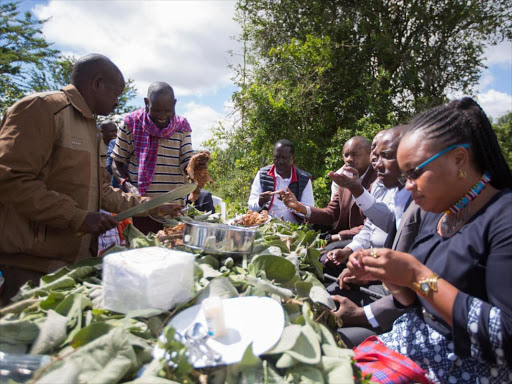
{"type": "Point", "coordinates": [219, 238]}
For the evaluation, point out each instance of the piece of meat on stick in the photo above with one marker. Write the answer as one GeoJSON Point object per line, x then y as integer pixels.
{"type": "Point", "coordinates": [197, 170]}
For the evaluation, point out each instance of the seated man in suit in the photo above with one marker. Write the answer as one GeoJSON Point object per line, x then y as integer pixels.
{"type": "Point", "coordinates": [383, 205]}
{"type": "Point", "coordinates": [277, 177]}
{"type": "Point", "coordinates": [204, 203]}
{"type": "Point", "coordinates": [342, 214]}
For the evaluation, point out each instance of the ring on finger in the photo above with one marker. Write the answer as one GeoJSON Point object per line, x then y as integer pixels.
{"type": "Point", "coordinates": [374, 254]}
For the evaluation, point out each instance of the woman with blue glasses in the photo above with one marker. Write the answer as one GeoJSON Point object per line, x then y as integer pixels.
{"type": "Point", "coordinates": [457, 277]}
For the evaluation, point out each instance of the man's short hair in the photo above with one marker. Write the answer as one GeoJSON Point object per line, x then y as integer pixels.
{"type": "Point", "coordinates": [286, 143]}
{"type": "Point", "coordinates": [159, 88]}
{"type": "Point", "coordinates": [363, 141]}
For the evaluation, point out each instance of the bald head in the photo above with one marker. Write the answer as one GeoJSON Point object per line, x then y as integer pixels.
{"type": "Point", "coordinates": [99, 81]}
{"type": "Point", "coordinates": [86, 68]}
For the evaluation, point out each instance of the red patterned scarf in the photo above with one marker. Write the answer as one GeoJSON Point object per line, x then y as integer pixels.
{"type": "Point", "coordinates": [145, 137]}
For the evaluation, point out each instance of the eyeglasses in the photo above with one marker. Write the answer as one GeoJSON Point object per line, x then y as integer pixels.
{"type": "Point", "coordinates": [414, 173]}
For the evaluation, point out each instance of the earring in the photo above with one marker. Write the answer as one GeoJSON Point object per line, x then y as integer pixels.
{"type": "Point", "coordinates": [462, 174]}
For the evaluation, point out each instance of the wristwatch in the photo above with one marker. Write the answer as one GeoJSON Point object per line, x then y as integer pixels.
{"type": "Point", "coordinates": [328, 237]}
{"type": "Point", "coordinates": [425, 286]}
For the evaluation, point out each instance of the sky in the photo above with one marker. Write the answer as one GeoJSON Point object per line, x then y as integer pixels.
{"type": "Point", "coordinates": [186, 43]}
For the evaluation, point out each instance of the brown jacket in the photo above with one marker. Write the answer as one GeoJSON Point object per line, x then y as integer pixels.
{"type": "Point", "coordinates": [342, 213]}
{"type": "Point", "coordinates": [51, 176]}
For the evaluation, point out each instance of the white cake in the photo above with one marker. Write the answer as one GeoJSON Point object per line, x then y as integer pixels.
{"type": "Point", "coordinates": [146, 278]}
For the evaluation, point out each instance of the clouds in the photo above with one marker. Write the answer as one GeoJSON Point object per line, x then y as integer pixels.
{"type": "Point", "coordinates": [500, 54]}
{"type": "Point", "coordinates": [494, 103]}
{"type": "Point", "coordinates": [202, 118]}
{"type": "Point", "coordinates": [184, 43]}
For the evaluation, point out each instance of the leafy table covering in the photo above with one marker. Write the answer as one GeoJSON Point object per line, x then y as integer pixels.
{"type": "Point", "coordinates": [63, 317]}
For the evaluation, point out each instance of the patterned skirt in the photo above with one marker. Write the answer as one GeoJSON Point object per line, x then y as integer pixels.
{"type": "Point", "coordinates": [412, 337]}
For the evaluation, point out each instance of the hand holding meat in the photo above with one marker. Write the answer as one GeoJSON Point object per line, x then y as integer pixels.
{"type": "Point", "coordinates": [197, 171]}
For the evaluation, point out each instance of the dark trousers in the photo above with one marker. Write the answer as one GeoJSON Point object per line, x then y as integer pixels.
{"type": "Point", "coordinates": [14, 279]}
{"type": "Point", "coordinates": [352, 336]}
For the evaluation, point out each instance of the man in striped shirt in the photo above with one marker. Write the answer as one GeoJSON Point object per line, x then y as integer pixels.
{"type": "Point", "coordinates": [153, 145]}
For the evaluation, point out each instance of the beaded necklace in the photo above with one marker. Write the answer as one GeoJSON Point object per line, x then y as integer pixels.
{"type": "Point", "coordinates": [461, 210]}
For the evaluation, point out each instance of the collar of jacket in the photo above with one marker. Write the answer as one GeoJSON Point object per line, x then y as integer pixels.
{"type": "Point", "coordinates": [76, 99]}
{"type": "Point", "coordinates": [272, 172]}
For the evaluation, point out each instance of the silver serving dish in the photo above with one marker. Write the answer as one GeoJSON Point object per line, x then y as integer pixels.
{"type": "Point", "coordinates": [219, 238]}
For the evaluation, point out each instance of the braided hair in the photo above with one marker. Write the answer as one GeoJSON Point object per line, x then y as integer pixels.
{"type": "Point", "coordinates": [464, 121]}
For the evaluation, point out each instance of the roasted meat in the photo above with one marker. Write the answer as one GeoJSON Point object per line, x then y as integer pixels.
{"type": "Point", "coordinates": [197, 170]}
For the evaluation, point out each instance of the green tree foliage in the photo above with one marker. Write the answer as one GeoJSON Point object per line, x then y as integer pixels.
{"type": "Point", "coordinates": [22, 48]}
{"type": "Point", "coordinates": [317, 72]}
{"type": "Point", "coordinates": [503, 129]}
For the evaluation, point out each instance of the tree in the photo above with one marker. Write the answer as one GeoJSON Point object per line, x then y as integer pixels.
{"type": "Point", "coordinates": [318, 72]}
{"type": "Point", "coordinates": [503, 129]}
{"type": "Point", "coordinates": [22, 48]}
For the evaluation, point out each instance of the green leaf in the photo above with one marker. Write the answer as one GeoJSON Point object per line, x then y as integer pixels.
{"type": "Point", "coordinates": [52, 300]}
{"type": "Point", "coordinates": [91, 332]}
{"type": "Point", "coordinates": [208, 271]}
{"type": "Point", "coordinates": [276, 268]}
{"type": "Point", "coordinates": [249, 359]}
{"type": "Point", "coordinates": [51, 333]}
{"type": "Point", "coordinates": [18, 331]}
{"type": "Point", "coordinates": [320, 295]}
{"type": "Point", "coordinates": [219, 286]}
{"type": "Point", "coordinates": [303, 288]}
{"type": "Point", "coordinates": [54, 276]}
{"type": "Point", "coordinates": [337, 369]}
{"type": "Point", "coordinates": [90, 261]}
{"type": "Point", "coordinates": [286, 361]}
{"type": "Point", "coordinates": [104, 360]}
{"type": "Point", "coordinates": [288, 339]}
{"type": "Point", "coordinates": [327, 337]}
{"type": "Point", "coordinates": [267, 287]}
{"type": "Point", "coordinates": [307, 346]}
{"type": "Point", "coordinates": [303, 374]}
{"type": "Point", "coordinates": [208, 259]}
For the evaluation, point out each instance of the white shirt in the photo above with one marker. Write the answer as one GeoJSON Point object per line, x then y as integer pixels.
{"type": "Point", "coordinates": [370, 235]}
{"type": "Point", "coordinates": [382, 212]}
{"type": "Point", "coordinates": [278, 209]}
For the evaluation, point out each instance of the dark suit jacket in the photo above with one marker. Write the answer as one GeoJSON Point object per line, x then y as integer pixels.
{"type": "Point", "coordinates": [204, 203]}
{"type": "Point", "coordinates": [384, 310]}
{"type": "Point", "coordinates": [342, 212]}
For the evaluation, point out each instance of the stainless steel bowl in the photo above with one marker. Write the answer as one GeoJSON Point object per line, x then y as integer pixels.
{"type": "Point", "coordinates": [219, 238]}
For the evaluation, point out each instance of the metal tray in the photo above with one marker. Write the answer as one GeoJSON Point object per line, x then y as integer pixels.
{"type": "Point", "coordinates": [219, 238]}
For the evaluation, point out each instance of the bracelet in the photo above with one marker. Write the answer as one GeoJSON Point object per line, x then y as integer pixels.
{"type": "Point", "coordinates": [394, 292]}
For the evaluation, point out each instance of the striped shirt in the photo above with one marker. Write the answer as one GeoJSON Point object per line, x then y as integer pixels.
{"type": "Point", "coordinates": [172, 159]}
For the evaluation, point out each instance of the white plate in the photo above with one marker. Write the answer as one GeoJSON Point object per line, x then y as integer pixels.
{"type": "Point", "coordinates": [259, 320]}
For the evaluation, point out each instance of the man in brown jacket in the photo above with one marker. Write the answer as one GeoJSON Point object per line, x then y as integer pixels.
{"type": "Point", "coordinates": [52, 182]}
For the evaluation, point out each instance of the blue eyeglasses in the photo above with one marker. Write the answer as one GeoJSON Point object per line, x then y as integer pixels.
{"type": "Point", "coordinates": [414, 173]}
